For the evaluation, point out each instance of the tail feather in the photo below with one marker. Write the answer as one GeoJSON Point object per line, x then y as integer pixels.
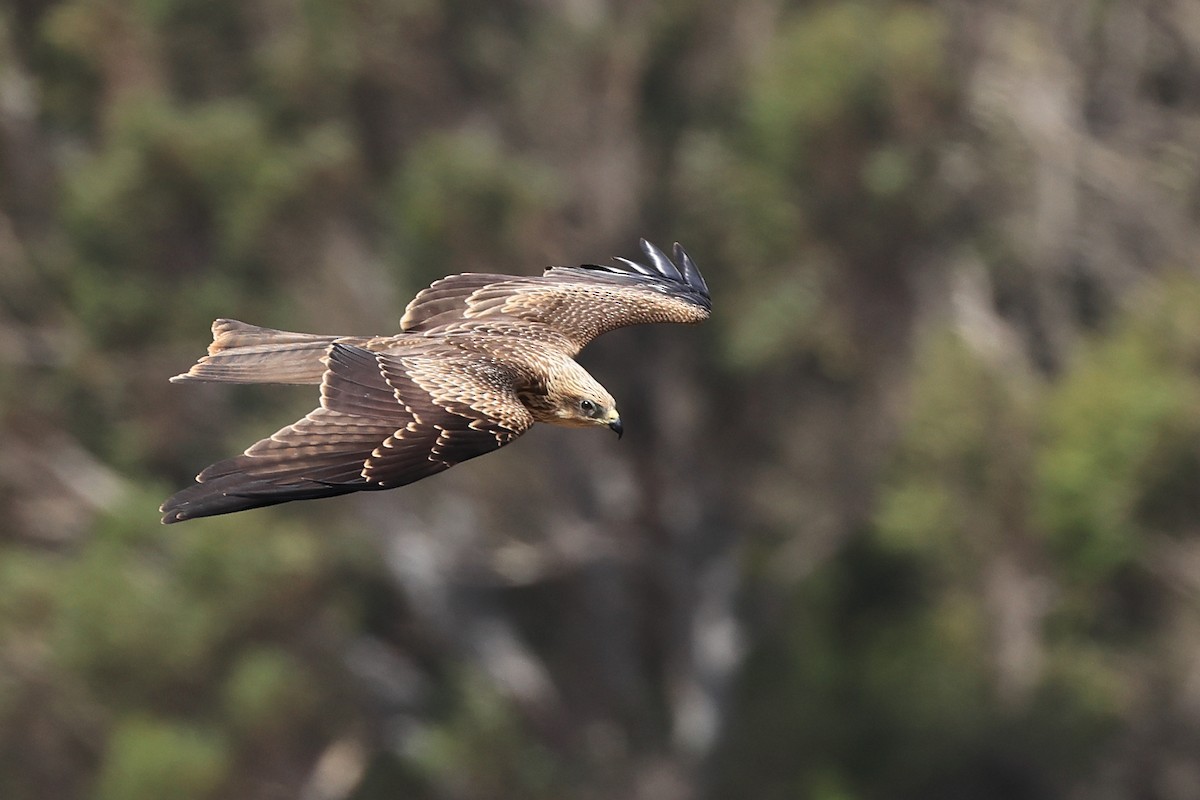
{"type": "Point", "coordinates": [242, 353]}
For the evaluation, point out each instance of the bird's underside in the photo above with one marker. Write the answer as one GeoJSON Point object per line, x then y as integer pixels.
{"type": "Point", "coordinates": [479, 359]}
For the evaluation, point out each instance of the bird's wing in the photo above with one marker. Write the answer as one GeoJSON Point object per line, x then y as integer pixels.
{"type": "Point", "coordinates": [386, 419]}
{"type": "Point", "coordinates": [570, 304]}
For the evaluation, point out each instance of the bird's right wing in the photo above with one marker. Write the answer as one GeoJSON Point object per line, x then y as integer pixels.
{"type": "Point", "coordinates": [385, 420]}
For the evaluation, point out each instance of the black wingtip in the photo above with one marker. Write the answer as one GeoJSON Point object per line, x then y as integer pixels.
{"type": "Point", "coordinates": [680, 273]}
{"type": "Point", "coordinates": [660, 261]}
{"type": "Point", "coordinates": [691, 273]}
{"type": "Point", "coordinates": [217, 492]}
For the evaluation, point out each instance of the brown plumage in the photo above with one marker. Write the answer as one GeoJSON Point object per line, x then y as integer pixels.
{"type": "Point", "coordinates": [479, 359]}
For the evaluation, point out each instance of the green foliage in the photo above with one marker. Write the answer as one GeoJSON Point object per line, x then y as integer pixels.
{"type": "Point", "coordinates": [142, 629]}
{"type": "Point", "coordinates": [28, 601]}
{"type": "Point", "coordinates": [842, 64]}
{"type": "Point", "coordinates": [454, 184]}
{"type": "Point", "coordinates": [1092, 461]}
{"type": "Point", "coordinates": [762, 209]}
{"type": "Point", "coordinates": [957, 482]}
{"type": "Point", "coordinates": [268, 693]}
{"type": "Point", "coordinates": [129, 631]}
{"type": "Point", "coordinates": [995, 600]}
{"type": "Point", "coordinates": [183, 199]}
{"type": "Point", "coordinates": [1121, 435]}
{"type": "Point", "coordinates": [885, 682]}
{"type": "Point", "coordinates": [895, 646]}
{"type": "Point", "coordinates": [482, 750]}
{"type": "Point", "coordinates": [141, 618]}
{"type": "Point", "coordinates": [150, 759]}
{"type": "Point", "coordinates": [826, 163]}
{"type": "Point", "coordinates": [989, 468]}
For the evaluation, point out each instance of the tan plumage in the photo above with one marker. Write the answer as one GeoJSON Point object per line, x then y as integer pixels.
{"type": "Point", "coordinates": [479, 359]}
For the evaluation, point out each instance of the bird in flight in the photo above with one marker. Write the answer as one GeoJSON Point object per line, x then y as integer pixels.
{"type": "Point", "coordinates": [478, 360]}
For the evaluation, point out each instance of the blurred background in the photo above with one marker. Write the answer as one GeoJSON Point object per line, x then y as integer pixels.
{"type": "Point", "coordinates": [915, 515]}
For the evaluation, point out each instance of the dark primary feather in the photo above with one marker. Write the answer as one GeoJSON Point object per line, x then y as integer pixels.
{"type": "Point", "coordinates": [684, 280]}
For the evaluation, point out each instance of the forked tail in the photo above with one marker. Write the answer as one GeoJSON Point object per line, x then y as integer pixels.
{"type": "Point", "coordinates": [242, 353]}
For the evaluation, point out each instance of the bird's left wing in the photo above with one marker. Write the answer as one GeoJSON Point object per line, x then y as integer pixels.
{"type": "Point", "coordinates": [386, 419]}
{"type": "Point", "coordinates": [572, 305]}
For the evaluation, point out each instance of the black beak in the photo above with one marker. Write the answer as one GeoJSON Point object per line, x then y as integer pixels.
{"type": "Point", "coordinates": [615, 426]}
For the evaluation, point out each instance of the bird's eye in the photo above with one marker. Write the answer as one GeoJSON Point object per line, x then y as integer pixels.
{"type": "Point", "coordinates": [587, 406]}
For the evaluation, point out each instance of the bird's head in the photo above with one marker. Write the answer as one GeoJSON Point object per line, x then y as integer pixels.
{"type": "Point", "coordinates": [577, 400]}
{"type": "Point", "coordinates": [596, 410]}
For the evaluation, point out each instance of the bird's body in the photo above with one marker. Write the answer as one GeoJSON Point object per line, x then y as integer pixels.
{"type": "Point", "coordinates": [479, 359]}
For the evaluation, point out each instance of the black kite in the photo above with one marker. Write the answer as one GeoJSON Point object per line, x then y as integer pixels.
{"type": "Point", "coordinates": [479, 359]}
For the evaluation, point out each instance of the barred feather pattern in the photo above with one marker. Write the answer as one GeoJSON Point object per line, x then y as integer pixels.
{"type": "Point", "coordinates": [479, 359]}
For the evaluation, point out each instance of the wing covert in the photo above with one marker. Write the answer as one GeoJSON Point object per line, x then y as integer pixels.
{"type": "Point", "coordinates": [459, 408]}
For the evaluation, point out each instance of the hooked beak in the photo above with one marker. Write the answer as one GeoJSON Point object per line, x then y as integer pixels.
{"type": "Point", "coordinates": [616, 427]}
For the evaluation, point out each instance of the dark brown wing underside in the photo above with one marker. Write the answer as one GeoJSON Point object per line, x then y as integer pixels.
{"type": "Point", "coordinates": [378, 427]}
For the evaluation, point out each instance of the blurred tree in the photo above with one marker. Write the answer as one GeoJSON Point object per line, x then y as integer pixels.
{"type": "Point", "coordinates": [913, 516]}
